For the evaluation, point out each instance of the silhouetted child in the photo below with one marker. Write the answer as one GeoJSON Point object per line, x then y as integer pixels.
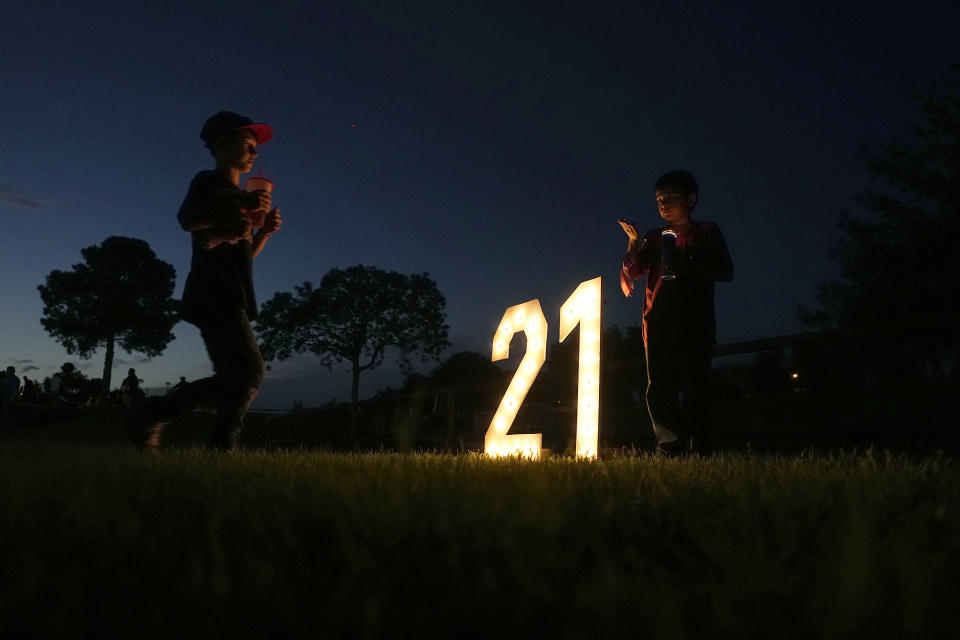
{"type": "Point", "coordinates": [179, 385]}
{"type": "Point", "coordinates": [682, 262]}
{"type": "Point", "coordinates": [56, 397]}
{"type": "Point", "coordinates": [219, 297]}
{"type": "Point", "coordinates": [130, 389]}
{"type": "Point", "coordinates": [9, 391]}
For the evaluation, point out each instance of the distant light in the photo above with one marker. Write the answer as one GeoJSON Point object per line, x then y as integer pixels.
{"type": "Point", "coordinates": [794, 375]}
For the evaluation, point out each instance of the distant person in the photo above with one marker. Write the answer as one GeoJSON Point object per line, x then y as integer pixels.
{"type": "Point", "coordinates": [130, 391]}
{"type": "Point", "coordinates": [218, 297]}
{"type": "Point", "coordinates": [9, 390]}
{"type": "Point", "coordinates": [56, 397]}
{"type": "Point", "coordinates": [682, 262]}
{"type": "Point", "coordinates": [178, 386]}
{"type": "Point", "coordinates": [56, 383]}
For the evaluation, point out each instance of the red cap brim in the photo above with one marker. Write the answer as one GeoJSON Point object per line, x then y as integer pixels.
{"type": "Point", "coordinates": [262, 132]}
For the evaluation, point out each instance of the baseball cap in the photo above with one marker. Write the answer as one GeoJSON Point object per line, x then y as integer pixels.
{"type": "Point", "coordinates": [224, 122]}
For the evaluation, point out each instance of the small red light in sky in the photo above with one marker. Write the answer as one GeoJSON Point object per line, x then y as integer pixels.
{"type": "Point", "coordinates": [354, 125]}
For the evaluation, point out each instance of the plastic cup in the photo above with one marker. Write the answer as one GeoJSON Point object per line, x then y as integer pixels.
{"type": "Point", "coordinates": [255, 183]}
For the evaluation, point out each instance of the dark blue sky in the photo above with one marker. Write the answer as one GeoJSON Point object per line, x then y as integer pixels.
{"type": "Point", "coordinates": [492, 147]}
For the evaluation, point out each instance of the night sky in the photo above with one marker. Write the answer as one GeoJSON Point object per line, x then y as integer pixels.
{"type": "Point", "coordinates": [492, 147]}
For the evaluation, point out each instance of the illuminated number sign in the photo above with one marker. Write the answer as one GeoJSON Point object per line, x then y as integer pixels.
{"type": "Point", "coordinates": [583, 308]}
{"type": "Point", "coordinates": [528, 318]}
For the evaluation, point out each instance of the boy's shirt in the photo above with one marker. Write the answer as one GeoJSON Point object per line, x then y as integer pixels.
{"type": "Point", "coordinates": [681, 308]}
{"type": "Point", "coordinates": [221, 278]}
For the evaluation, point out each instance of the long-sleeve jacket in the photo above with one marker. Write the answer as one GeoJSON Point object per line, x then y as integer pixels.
{"type": "Point", "coordinates": [681, 308]}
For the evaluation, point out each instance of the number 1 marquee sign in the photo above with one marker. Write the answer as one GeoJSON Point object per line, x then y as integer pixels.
{"type": "Point", "coordinates": [583, 308]}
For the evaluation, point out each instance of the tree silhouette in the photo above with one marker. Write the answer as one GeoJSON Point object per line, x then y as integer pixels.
{"type": "Point", "coordinates": [466, 367]}
{"type": "Point", "coordinates": [476, 382]}
{"type": "Point", "coordinates": [356, 315]}
{"type": "Point", "coordinates": [449, 397]}
{"type": "Point", "coordinates": [899, 262]}
{"type": "Point", "coordinates": [120, 294]}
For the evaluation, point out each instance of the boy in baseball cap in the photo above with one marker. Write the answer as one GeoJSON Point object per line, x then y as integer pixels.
{"type": "Point", "coordinates": [224, 123]}
{"type": "Point", "coordinates": [218, 297]}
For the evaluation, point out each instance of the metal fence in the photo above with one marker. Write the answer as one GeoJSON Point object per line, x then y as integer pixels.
{"type": "Point", "coordinates": [456, 417]}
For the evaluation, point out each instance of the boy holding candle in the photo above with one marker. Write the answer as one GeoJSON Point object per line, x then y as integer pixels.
{"type": "Point", "coordinates": [682, 262]}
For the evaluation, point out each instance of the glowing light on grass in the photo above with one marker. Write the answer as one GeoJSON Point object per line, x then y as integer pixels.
{"type": "Point", "coordinates": [528, 318]}
{"type": "Point", "coordinates": [583, 308]}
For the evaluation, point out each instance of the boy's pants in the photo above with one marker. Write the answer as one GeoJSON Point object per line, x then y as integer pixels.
{"type": "Point", "coordinates": [238, 373]}
{"type": "Point", "coordinates": [678, 368]}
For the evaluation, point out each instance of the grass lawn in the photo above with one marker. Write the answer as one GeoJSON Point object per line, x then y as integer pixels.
{"type": "Point", "coordinates": [96, 538]}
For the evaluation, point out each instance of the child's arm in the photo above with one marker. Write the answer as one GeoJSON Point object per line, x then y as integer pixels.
{"type": "Point", "coordinates": [637, 260]}
{"type": "Point", "coordinates": [232, 232]}
{"type": "Point", "coordinates": [216, 216]}
{"type": "Point", "coordinates": [216, 208]}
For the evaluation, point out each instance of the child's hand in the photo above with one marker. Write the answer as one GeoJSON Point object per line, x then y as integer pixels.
{"type": "Point", "coordinates": [237, 230]}
{"type": "Point", "coordinates": [630, 230]}
{"type": "Point", "coordinates": [272, 222]}
{"type": "Point", "coordinates": [259, 200]}
{"type": "Point", "coordinates": [231, 233]}
{"type": "Point", "coordinates": [207, 239]}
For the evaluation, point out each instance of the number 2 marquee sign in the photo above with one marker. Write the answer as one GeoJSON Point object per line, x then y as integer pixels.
{"type": "Point", "coordinates": [583, 308]}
